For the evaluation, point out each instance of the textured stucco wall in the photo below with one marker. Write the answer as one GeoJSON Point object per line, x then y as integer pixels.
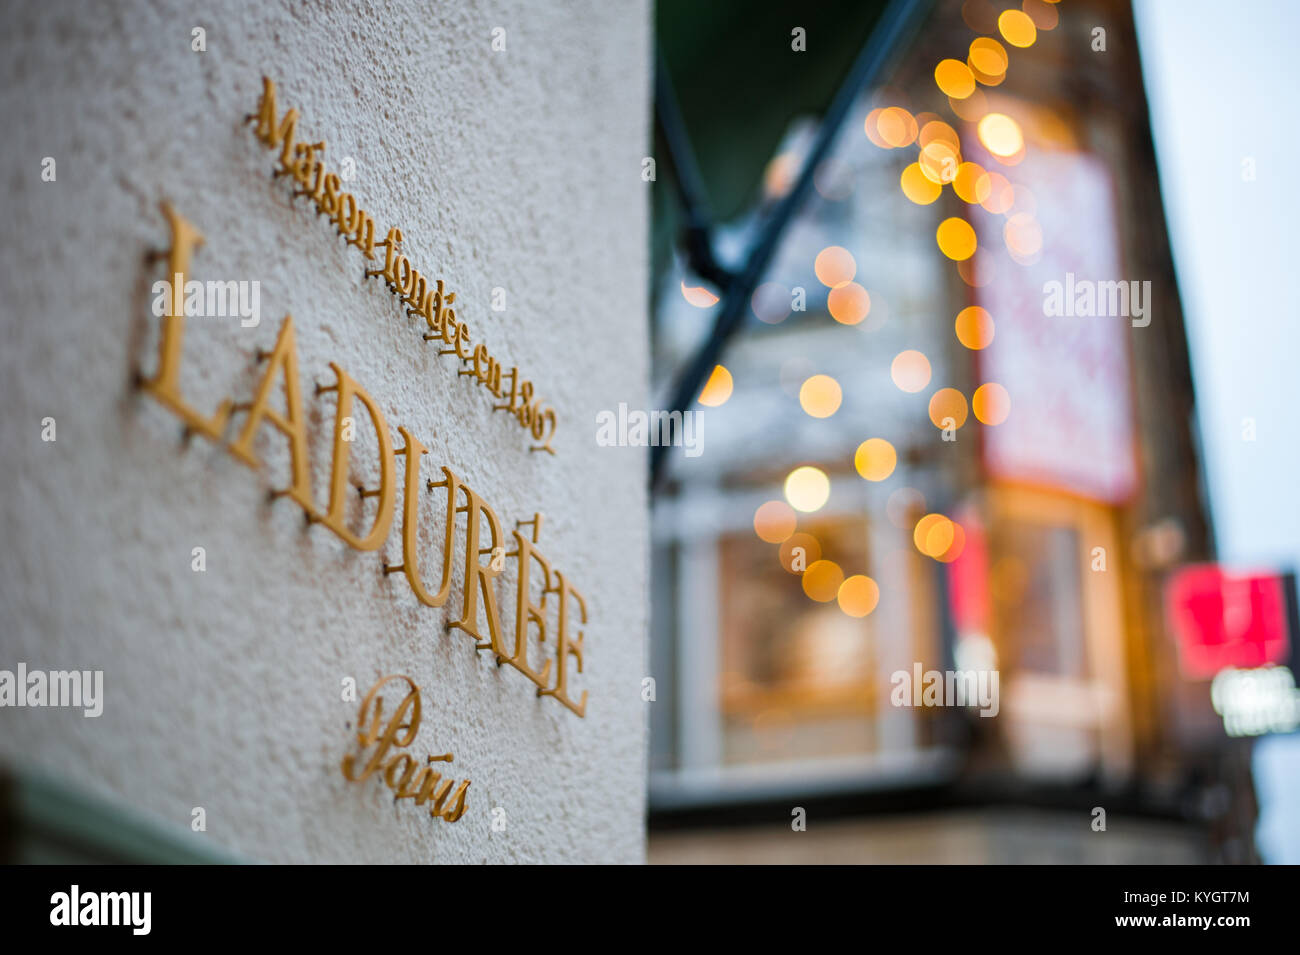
{"type": "Point", "coordinates": [518, 169]}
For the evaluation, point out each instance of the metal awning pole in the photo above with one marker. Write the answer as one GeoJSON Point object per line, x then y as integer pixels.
{"type": "Point", "coordinates": [899, 18]}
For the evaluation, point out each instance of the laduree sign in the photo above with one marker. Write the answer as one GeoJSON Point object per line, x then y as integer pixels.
{"type": "Point", "coordinates": [558, 610]}
{"type": "Point", "coordinates": [479, 577]}
{"type": "Point", "coordinates": [305, 164]}
{"type": "Point", "coordinates": [380, 743]}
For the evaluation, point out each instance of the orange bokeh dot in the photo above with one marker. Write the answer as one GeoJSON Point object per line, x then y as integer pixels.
{"type": "Point", "coordinates": [1000, 135]}
{"type": "Point", "coordinates": [799, 551]}
{"type": "Point", "coordinates": [918, 186]}
{"type": "Point", "coordinates": [848, 304]}
{"type": "Point", "coordinates": [820, 396]}
{"type": "Point", "coordinates": [774, 521]}
{"type": "Point", "coordinates": [972, 184]}
{"type": "Point", "coordinates": [822, 579]}
{"type": "Point", "coordinates": [897, 127]}
{"type": "Point", "coordinates": [956, 238]}
{"type": "Point", "coordinates": [932, 534]}
{"type": "Point", "coordinates": [910, 371]}
{"type": "Point", "coordinates": [937, 131]}
{"type": "Point", "coordinates": [939, 162]}
{"type": "Point", "coordinates": [956, 544]}
{"type": "Point", "coordinates": [954, 78]}
{"type": "Point", "coordinates": [871, 126]}
{"type": "Point", "coordinates": [1017, 28]}
{"type": "Point", "coordinates": [835, 266]}
{"type": "Point", "coordinates": [974, 327]}
{"type": "Point", "coordinates": [699, 296]}
{"type": "Point", "coordinates": [875, 459]}
{"type": "Point", "coordinates": [991, 403]}
{"type": "Point", "coordinates": [858, 595]}
{"type": "Point", "coordinates": [988, 56]}
{"type": "Point", "coordinates": [945, 404]}
{"type": "Point", "coordinates": [718, 388]}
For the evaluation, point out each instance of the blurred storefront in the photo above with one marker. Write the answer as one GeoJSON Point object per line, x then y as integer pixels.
{"type": "Point", "coordinates": [939, 447]}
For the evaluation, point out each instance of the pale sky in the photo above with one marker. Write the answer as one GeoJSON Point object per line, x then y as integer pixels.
{"type": "Point", "coordinates": [1221, 82]}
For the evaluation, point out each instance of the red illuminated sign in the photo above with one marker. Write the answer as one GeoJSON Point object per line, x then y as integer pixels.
{"type": "Point", "coordinates": [1226, 620]}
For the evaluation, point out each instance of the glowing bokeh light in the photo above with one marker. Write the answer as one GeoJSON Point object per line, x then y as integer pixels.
{"type": "Point", "coordinates": [988, 56]}
{"type": "Point", "coordinates": [972, 184]}
{"type": "Point", "coordinates": [991, 403]}
{"type": "Point", "coordinates": [1000, 135]}
{"type": "Point", "coordinates": [835, 266]}
{"type": "Point", "coordinates": [698, 296]}
{"type": "Point", "coordinates": [848, 304]}
{"type": "Point", "coordinates": [948, 408]}
{"type": "Point", "coordinates": [875, 459]}
{"type": "Point", "coordinates": [939, 162]}
{"type": "Point", "coordinates": [932, 534]}
{"type": "Point", "coordinates": [954, 78]}
{"type": "Point", "coordinates": [897, 127]}
{"type": "Point", "coordinates": [1017, 28]}
{"type": "Point", "coordinates": [871, 126]}
{"type": "Point", "coordinates": [774, 521]}
{"type": "Point", "coordinates": [956, 239]}
{"type": "Point", "coordinates": [820, 396]}
{"type": "Point", "coordinates": [822, 580]}
{"type": "Point", "coordinates": [974, 327]}
{"type": "Point", "coordinates": [910, 371]}
{"type": "Point", "coordinates": [956, 544]}
{"type": "Point", "coordinates": [807, 488]}
{"type": "Point", "coordinates": [918, 186]}
{"type": "Point", "coordinates": [858, 595]}
{"type": "Point", "coordinates": [798, 552]}
{"type": "Point", "coordinates": [937, 131]}
{"type": "Point", "coordinates": [718, 388]}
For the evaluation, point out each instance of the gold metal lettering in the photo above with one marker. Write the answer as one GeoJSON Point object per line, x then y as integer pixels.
{"type": "Point", "coordinates": [566, 647]}
{"type": "Point", "coordinates": [165, 384]}
{"type": "Point", "coordinates": [336, 517]}
{"type": "Point", "coordinates": [410, 525]}
{"type": "Point", "coordinates": [480, 576]}
{"type": "Point", "coordinates": [306, 164]}
{"type": "Point", "coordinates": [363, 232]}
{"type": "Point", "coordinates": [266, 129]}
{"type": "Point", "coordinates": [380, 737]}
{"type": "Point", "coordinates": [369, 723]}
{"type": "Point", "coordinates": [283, 362]}
{"type": "Point", "coordinates": [526, 612]}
